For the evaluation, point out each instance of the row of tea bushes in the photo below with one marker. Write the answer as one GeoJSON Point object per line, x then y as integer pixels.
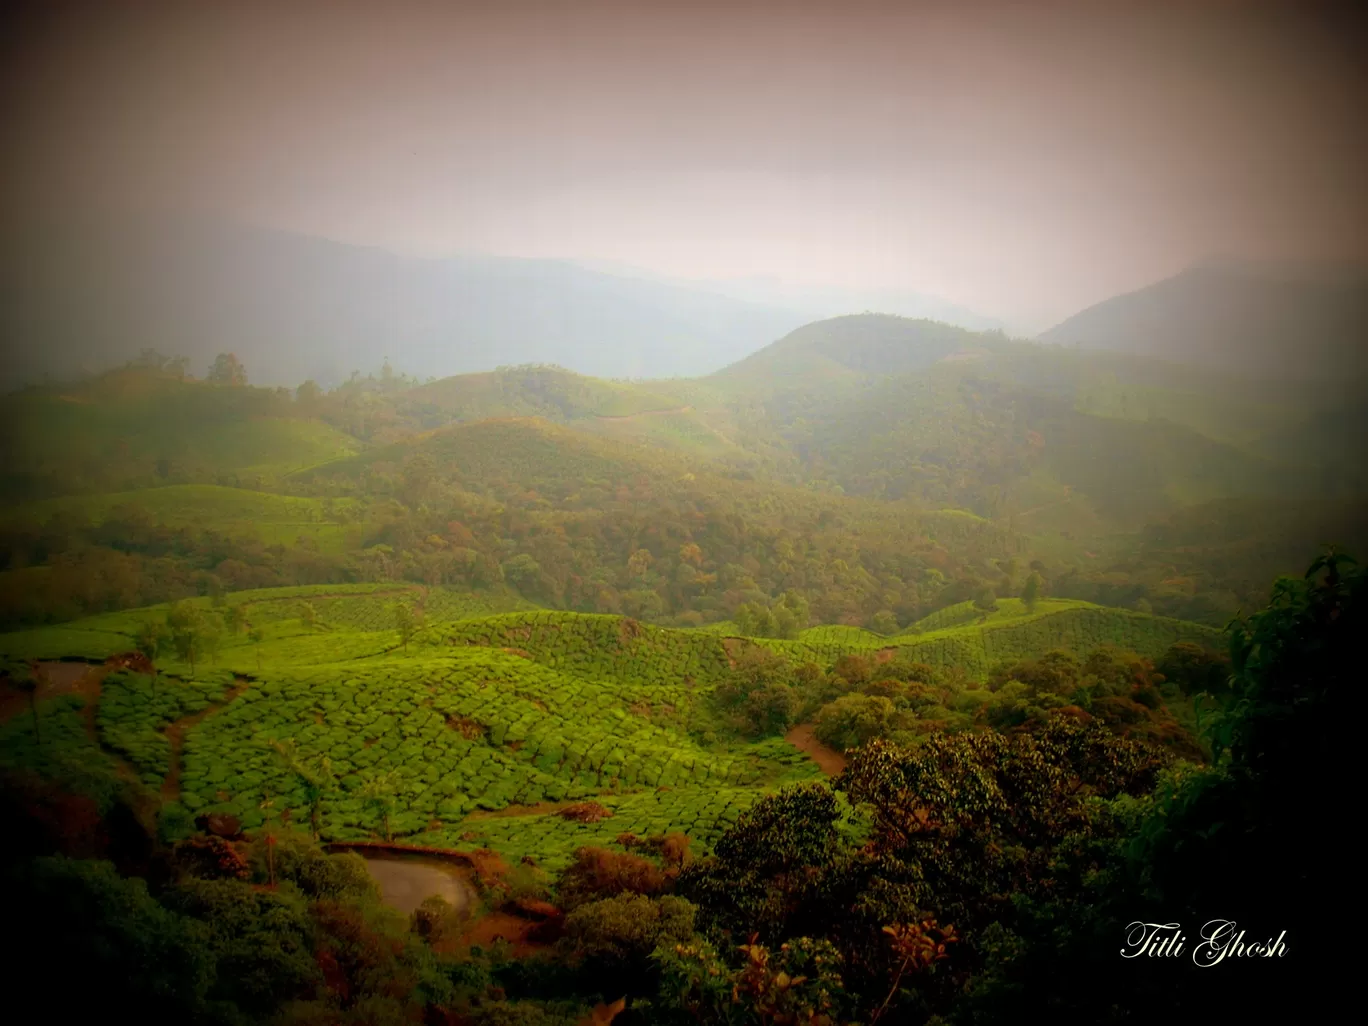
{"type": "Point", "coordinates": [478, 729]}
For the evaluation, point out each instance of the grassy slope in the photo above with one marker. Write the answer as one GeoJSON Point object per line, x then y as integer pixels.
{"type": "Point", "coordinates": [233, 511]}
{"type": "Point", "coordinates": [960, 637]}
{"type": "Point", "coordinates": [487, 711]}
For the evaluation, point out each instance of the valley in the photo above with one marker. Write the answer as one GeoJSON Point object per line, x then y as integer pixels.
{"type": "Point", "coordinates": [468, 663]}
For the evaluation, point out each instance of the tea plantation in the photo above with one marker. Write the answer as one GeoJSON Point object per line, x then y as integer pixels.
{"type": "Point", "coordinates": [475, 727]}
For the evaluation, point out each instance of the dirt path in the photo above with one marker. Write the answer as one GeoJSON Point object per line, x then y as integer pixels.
{"type": "Point", "coordinates": [828, 760]}
{"type": "Point", "coordinates": [540, 809]}
{"type": "Point", "coordinates": [89, 684]}
{"type": "Point", "coordinates": [175, 733]}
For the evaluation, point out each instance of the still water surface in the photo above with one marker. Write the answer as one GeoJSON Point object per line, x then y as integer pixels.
{"type": "Point", "coordinates": [406, 880]}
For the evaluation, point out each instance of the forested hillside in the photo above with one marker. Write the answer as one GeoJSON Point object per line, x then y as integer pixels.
{"type": "Point", "coordinates": [877, 468]}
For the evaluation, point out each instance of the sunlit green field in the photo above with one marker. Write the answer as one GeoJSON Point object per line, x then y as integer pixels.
{"type": "Point", "coordinates": [485, 709]}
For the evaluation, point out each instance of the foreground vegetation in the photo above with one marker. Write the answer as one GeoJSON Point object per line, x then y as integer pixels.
{"type": "Point", "coordinates": [690, 866]}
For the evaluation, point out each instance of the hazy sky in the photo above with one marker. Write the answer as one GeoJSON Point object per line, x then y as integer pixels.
{"type": "Point", "coordinates": [1024, 159]}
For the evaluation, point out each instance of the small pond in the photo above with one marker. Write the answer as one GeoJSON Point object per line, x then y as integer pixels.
{"type": "Point", "coordinates": [407, 880]}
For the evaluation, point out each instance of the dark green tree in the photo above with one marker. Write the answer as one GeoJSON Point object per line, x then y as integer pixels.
{"type": "Point", "coordinates": [256, 635]}
{"type": "Point", "coordinates": [151, 637]}
{"type": "Point", "coordinates": [227, 369]}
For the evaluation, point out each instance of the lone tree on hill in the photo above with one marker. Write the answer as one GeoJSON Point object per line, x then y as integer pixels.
{"type": "Point", "coordinates": [227, 369]}
{"type": "Point", "coordinates": [151, 638]}
{"type": "Point", "coordinates": [1030, 591]}
{"type": "Point", "coordinates": [185, 625]}
{"type": "Point", "coordinates": [256, 635]}
{"type": "Point", "coordinates": [408, 620]}
{"type": "Point", "coordinates": [236, 619]}
{"type": "Point", "coordinates": [986, 601]}
{"type": "Point", "coordinates": [315, 776]}
{"type": "Point", "coordinates": [378, 793]}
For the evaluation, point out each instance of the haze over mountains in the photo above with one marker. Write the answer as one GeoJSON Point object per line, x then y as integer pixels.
{"type": "Point", "coordinates": [820, 302]}
{"type": "Point", "coordinates": [1281, 319]}
{"type": "Point", "coordinates": [295, 307]}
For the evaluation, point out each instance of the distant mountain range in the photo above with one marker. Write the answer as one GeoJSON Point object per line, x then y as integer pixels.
{"type": "Point", "coordinates": [821, 302]}
{"type": "Point", "coordinates": [294, 307]}
{"type": "Point", "coordinates": [1274, 319]}
{"type": "Point", "coordinates": [77, 300]}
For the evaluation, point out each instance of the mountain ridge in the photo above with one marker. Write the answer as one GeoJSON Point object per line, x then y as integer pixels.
{"type": "Point", "coordinates": [1290, 321]}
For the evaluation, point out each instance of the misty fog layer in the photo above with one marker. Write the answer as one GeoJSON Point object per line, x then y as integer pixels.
{"type": "Point", "coordinates": [1020, 161]}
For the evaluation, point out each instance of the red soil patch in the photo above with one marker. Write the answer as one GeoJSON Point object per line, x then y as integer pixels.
{"type": "Point", "coordinates": [520, 933]}
{"type": "Point", "coordinates": [828, 760]}
{"type": "Point", "coordinates": [467, 728]}
{"type": "Point", "coordinates": [539, 809]}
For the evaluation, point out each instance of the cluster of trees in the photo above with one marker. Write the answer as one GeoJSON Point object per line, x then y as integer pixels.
{"type": "Point", "coordinates": [786, 618]}
{"type": "Point", "coordinates": [660, 545]}
{"type": "Point", "coordinates": [574, 521]}
{"type": "Point", "coordinates": [978, 846]}
{"type": "Point", "coordinates": [66, 569]}
{"type": "Point", "coordinates": [862, 698]}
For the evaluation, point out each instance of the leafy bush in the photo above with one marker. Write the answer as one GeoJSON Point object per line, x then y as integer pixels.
{"type": "Point", "coordinates": [619, 933]}
{"type": "Point", "coordinates": [852, 720]}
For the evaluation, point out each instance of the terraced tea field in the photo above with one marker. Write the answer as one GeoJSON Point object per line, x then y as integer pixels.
{"type": "Point", "coordinates": [963, 637]}
{"type": "Point", "coordinates": [481, 728]}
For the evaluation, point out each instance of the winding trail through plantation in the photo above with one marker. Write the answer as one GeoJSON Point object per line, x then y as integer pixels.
{"type": "Point", "coordinates": [175, 733]}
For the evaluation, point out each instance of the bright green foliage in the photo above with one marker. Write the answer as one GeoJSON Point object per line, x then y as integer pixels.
{"type": "Point", "coordinates": [852, 720]}
{"type": "Point", "coordinates": [955, 637]}
{"type": "Point", "coordinates": [69, 640]}
{"type": "Point", "coordinates": [468, 730]}
{"type": "Point", "coordinates": [267, 516]}
{"type": "Point", "coordinates": [66, 752]}
{"type": "Point", "coordinates": [520, 708]}
{"type": "Point", "coordinates": [603, 647]}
